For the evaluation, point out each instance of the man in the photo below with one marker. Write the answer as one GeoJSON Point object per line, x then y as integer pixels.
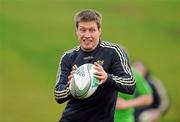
{"type": "Point", "coordinates": [125, 103]}
{"type": "Point", "coordinates": [160, 105]}
{"type": "Point", "coordinates": [113, 72]}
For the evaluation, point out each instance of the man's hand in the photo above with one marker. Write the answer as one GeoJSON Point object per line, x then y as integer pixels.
{"type": "Point", "coordinates": [100, 73]}
{"type": "Point", "coordinates": [70, 77]}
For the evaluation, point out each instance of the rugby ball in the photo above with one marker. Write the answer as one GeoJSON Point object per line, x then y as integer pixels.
{"type": "Point", "coordinates": [84, 83]}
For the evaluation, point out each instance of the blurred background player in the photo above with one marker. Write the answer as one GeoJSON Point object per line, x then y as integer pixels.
{"type": "Point", "coordinates": [160, 105]}
{"type": "Point", "coordinates": [125, 104]}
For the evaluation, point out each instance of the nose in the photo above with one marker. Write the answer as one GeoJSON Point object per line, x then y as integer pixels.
{"type": "Point", "coordinates": [87, 34]}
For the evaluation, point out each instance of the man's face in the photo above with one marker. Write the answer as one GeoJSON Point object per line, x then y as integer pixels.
{"type": "Point", "coordinates": [88, 35]}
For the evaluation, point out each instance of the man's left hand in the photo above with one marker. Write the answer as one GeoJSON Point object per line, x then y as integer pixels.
{"type": "Point", "coordinates": [100, 73]}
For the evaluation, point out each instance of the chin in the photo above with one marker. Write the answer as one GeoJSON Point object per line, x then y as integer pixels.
{"type": "Point", "coordinates": [87, 49]}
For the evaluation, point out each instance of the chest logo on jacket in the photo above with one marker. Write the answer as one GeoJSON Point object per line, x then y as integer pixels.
{"type": "Point", "coordinates": [101, 62]}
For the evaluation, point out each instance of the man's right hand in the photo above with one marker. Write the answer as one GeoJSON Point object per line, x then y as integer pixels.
{"type": "Point", "coordinates": [70, 77]}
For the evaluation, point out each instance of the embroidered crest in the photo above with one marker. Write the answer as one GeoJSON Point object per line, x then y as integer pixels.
{"type": "Point", "coordinates": [101, 62]}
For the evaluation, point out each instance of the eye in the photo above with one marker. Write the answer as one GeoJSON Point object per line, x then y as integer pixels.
{"type": "Point", "coordinates": [82, 30]}
{"type": "Point", "coordinates": [92, 30]}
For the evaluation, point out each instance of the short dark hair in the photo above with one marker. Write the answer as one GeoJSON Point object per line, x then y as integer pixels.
{"type": "Point", "coordinates": [87, 16]}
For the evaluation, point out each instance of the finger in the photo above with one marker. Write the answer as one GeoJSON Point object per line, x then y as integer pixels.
{"type": "Point", "coordinates": [72, 72]}
{"type": "Point", "coordinates": [70, 77]}
{"type": "Point", "coordinates": [97, 65]}
{"type": "Point", "coordinates": [101, 82]}
{"type": "Point", "coordinates": [69, 81]}
{"type": "Point", "coordinates": [97, 69]}
{"type": "Point", "coordinates": [98, 72]}
{"type": "Point", "coordinates": [99, 77]}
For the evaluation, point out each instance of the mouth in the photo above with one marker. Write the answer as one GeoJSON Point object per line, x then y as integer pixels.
{"type": "Point", "coordinates": [87, 40]}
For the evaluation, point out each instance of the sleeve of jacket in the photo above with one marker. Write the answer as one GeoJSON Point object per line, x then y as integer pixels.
{"type": "Point", "coordinates": [121, 78]}
{"type": "Point", "coordinates": [61, 91]}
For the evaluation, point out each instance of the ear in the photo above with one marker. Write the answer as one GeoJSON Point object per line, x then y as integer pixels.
{"type": "Point", "coordinates": [100, 31]}
{"type": "Point", "coordinates": [77, 31]}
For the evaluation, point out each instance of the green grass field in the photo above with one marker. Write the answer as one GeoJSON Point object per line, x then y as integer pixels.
{"type": "Point", "coordinates": [34, 35]}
